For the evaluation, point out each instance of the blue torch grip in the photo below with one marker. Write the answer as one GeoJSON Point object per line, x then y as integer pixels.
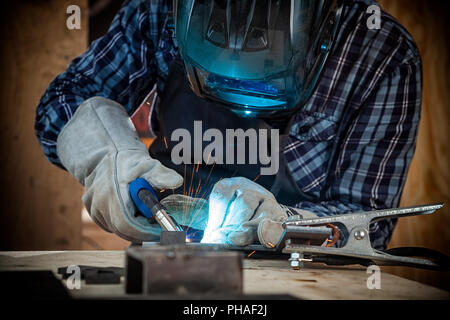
{"type": "Point", "coordinates": [136, 186]}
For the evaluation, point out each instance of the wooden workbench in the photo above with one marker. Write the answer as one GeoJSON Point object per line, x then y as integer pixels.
{"type": "Point", "coordinates": [260, 277]}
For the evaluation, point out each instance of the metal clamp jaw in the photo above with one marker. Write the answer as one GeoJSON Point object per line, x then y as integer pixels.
{"type": "Point", "coordinates": [357, 248]}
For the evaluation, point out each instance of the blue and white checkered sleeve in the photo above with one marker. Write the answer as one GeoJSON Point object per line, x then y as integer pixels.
{"type": "Point", "coordinates": [373, 160]}
{"type": "Point", "coordinates": [115, 66]}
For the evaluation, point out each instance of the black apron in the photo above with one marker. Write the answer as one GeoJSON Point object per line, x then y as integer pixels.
{"type": "Point", "coordinates": [178, 107]}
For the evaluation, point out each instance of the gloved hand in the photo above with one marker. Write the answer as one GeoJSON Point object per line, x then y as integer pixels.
{"type": "Point", "coordinates": [100, 147]}
{"type": "Point", "coordinates": [242, 212]}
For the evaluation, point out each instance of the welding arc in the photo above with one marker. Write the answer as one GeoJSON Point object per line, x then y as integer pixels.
{"type": "Point", "coordinates": [195, 205]}
{"type": "Point", "coordinates": [196, 209]}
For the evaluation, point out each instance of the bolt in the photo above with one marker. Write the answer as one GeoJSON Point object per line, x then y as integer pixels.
{"type": "Point", "coordinates": [295, 260]}
{"type": "Point", "coordinates": [295, 255]}
{"type": "Point", "coordinates": [359, 234]}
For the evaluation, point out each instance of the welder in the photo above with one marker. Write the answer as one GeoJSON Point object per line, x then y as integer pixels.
{"type": "Point", "coordinates": [344, 94]}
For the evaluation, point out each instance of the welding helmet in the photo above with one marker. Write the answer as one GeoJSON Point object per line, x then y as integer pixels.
{"type": "Point", "coordinates": [255, 56]}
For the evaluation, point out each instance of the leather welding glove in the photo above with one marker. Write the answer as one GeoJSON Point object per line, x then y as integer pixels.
{"type": "Point", "coordinates": [100, 147]}
{"type": "Point", "coordinates": [242, 212]}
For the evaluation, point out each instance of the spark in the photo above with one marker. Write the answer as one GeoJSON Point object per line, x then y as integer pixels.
{"type": "Point", "coordinates": [192, 179]}
{"type": "Point", "coordinates": [165, 142]}
{"type": "Point", "coordinates": [203, 201]}
{"type": "Point", "coordinates": [199, 209]}
{"type": "Point", "coordinates": [198, 187]}
{"type": "Point", "coordinates": [207, 161]}
{"type": "Point", "coordinates": [205, 186]}
{"type": "Point", "coordinates": [251, 253]}
{"type": "Point", "coordinates": [184, 181]}
{"type": "Point", "coordinates": [210, 171]}
{"type": "Point", "coordinates": [189, 191]}
{"type": "Point", "coordinates": [184, 190]}
{"type": "Point", "coordinates": [191, 204]}
{"type": "Point", "coordinates": [194, 199]}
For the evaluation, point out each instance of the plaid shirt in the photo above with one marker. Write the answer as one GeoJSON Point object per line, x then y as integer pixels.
{"type": "Point", "coordinates": [349, 148]}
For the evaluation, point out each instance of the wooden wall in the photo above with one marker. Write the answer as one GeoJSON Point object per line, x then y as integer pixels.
{"type": "Point", "coordinates": [39, 204]}
{"type": "Point", "coordinates": [429, 175]}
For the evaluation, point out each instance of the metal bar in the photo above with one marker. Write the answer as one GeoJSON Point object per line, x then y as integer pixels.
{"type": "Point", "coordinates": [358, 244]}
{"type": "Point", "coordinates": [368, 216]}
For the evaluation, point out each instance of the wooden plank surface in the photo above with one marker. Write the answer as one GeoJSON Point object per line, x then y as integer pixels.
{"type": "Point", "coordinates": [40, 204]}
{"type": "Point", "coordinates": [260, 277]}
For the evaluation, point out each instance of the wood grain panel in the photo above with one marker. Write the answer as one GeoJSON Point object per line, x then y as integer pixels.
{"type": "Point", "coordinates": [40, 204]}
{"type": "Point", "coordinates": [429, 175]}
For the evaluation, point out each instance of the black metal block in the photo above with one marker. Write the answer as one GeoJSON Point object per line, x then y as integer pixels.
{"type": "Point", "coordinates": [183, 270]}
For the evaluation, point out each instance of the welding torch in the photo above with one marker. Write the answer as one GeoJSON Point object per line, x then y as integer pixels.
{"type": "Point", "coordinates": [146, 200]}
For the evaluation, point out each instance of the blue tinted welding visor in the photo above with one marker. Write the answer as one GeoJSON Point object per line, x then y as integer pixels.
{"type": "Point", "coordinates": [255, 56]}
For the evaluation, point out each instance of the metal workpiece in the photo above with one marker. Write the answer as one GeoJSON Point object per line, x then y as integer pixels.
{"type": "Point", "coordinates": [182, 270]}
{"type": "Point", "coordinates": [352, 220]}
{"type": "Point", "coordinates": [296, 234]}
{"type": "Point", "coordinates": [357, 246]}
{"type": "Point", "coordinates": [169, 238]}
{"type": "Point", "coordinates": [257, 250]}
